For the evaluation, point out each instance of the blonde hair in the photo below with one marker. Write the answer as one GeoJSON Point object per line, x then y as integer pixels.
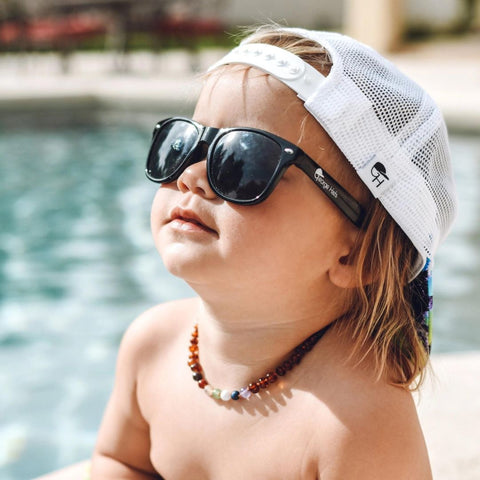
{"type": "Point", "coordinates": [379, 315]}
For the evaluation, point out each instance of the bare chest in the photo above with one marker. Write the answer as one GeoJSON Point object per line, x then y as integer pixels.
{"type": "Point", "coordinates": [197, 438]}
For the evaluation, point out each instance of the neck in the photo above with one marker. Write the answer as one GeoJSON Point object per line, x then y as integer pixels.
{"type": "Point", "coordinates": [239, 341]}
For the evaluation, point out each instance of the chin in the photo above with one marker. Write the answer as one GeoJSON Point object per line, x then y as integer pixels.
{"type": "Point", "coordinates": [185, 263]}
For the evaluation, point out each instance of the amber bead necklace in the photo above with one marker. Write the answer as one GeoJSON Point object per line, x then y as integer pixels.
{"type": "Point", "coordinates": [256, 386]}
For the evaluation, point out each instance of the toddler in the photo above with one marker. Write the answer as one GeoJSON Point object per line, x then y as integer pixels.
{"type": "Point", "coordinates": [303, 203]}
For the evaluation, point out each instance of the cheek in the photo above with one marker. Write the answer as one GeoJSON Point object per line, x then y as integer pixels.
{"type": "Point", "coordinates": [302, 235]}
{"type": "Point", "coordinates": [159, 213]}
{"type": "Point", "coordinates": [156, 212]}
{"type": "Point", "coordinates": [262, 241]}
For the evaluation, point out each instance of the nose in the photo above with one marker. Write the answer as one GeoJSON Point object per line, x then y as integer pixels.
{"type": "Point", "coordinates": [194, 179]}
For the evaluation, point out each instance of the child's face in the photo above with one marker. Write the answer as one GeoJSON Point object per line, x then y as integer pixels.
{"type": "Point", "coordinates": [296, 234]}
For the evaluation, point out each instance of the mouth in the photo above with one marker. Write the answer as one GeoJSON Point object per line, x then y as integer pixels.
{"type": "Point", "coordinates": [188, 221]}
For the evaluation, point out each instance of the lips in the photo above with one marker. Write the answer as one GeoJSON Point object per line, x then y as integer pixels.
{"type": "Point", "coordinates": [187, 220]}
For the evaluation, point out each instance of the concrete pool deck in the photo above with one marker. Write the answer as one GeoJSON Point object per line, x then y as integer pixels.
{"type": "Point", "coordinates": [449, 405]}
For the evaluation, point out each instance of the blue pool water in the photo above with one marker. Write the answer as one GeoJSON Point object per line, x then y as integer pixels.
{"type": "Point", "coordinates": [77, 264]}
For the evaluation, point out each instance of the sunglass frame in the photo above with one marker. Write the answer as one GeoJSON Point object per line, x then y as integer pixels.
{"type": "Point", "coordinates": [291, 154]}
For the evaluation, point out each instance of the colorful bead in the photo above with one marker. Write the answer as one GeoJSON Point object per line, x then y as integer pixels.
{"type": "Point", "coordinates": [216, 393]}
{"type": "Point", "coordinates": [288, 364]}
{"type": "Point", "coordinates": [262, 382]}
{"type": "Point", "coordinates": [245, 393]}
{"type": "Point", "coordinates": [197, 376]}
{"type": "Point", "coordinates": [235, 395]}
{"type": "Point", "coordinates": [225, 395]}
{"type": "Point", "coordinates": [202, 383]}
{"type": "Point", "coordinates": [254, 388]}
{"type": "Point", "coordinates": [196, 367]}
{"type": "Point", "coordinates": [208, 390]}
{"type": "Point", "coordinates": [271, 377]}
{"type": "Point", "coordinates": [296, 358]}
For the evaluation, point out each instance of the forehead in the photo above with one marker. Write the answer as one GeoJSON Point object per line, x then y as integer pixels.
{"type": "Point", "coordinates": [236, 96]}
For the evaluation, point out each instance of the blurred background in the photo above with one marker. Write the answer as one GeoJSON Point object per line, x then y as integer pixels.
{"type": "Point", "coordinates": [82, 83]}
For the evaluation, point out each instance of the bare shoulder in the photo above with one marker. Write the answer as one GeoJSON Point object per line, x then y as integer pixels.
{"type": "Point", "coordinates": [371, 429]}
{"type": "Point", "coordinates": [155, 329]}
{"type": "Point", "coordinates": [379, 436]}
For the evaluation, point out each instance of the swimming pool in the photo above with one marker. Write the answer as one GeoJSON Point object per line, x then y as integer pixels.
{"type": "Point", "coordinates": [77, 264]}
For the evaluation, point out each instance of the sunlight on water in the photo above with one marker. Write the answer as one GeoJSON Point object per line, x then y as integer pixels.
{"type": "Point", "coordinates": [77, 264]}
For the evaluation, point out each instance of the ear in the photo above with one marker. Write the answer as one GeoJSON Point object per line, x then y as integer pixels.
{"type": "Point", "coordinates": [343, 272]}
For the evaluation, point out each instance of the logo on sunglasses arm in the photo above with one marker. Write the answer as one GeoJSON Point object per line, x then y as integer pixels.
{"type": "Point", "coordinates": [320, 179]}
{"type": "Point", "coordinates": [318, 174]}
{"type": "Point", "coordinates": [379, 174]}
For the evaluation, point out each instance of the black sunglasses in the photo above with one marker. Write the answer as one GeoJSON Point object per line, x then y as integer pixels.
{"type": "Point", "coordinates": [243, 164]}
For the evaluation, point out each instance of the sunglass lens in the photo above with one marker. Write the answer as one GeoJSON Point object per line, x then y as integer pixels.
{"type": "Point", "coordinates": [243, 165]}
{"type": "Point", "coordinates": [170, 149]}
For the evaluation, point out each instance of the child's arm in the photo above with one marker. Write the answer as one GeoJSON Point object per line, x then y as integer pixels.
{"type": "Point", "coordinates": [122, 450]}
{"type": "Point", "coordinates": [123, 446]}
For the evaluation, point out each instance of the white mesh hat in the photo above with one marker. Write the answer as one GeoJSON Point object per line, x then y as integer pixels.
{"type": "Point", "coordinates": [388, 128]}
